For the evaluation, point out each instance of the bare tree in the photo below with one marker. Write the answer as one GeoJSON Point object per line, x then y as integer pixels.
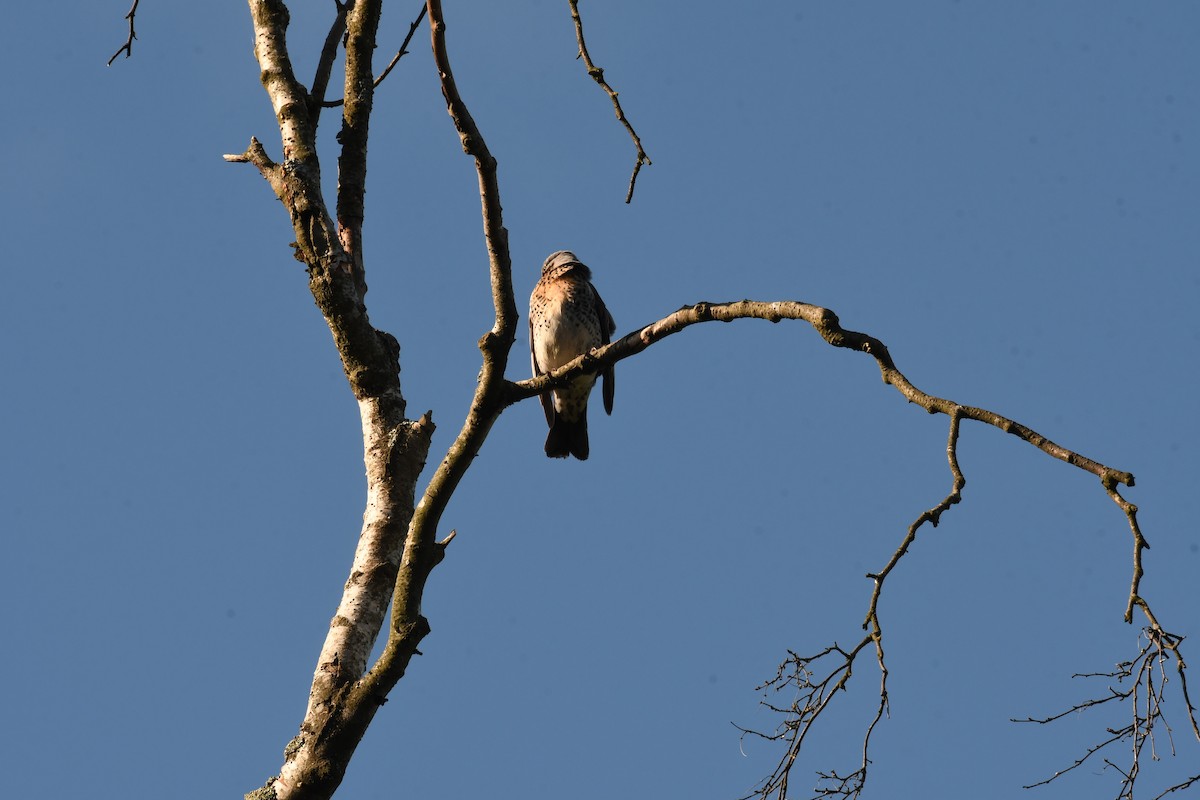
{"type": "Point", "coordinates": [401, 542]}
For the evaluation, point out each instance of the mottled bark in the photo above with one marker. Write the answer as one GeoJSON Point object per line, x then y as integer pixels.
{"type": "Point", "coordinates": [344, 695]}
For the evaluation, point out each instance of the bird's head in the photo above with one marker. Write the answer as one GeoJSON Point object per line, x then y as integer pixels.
{"type": "Point", "coordinates": [559, 259]}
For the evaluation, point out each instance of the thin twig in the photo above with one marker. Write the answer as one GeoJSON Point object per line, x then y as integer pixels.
{"type": "Point", "coordinates": [597, 75]}
{"type": "Point", "coordinates": [127, 48]}
{"type": "Point", "coordinates": [1146, 698]}
{"type": "Point", "coordinates": [1139, 544]}
{"type": "Point", "coordinates": [813, 698]}
{"type": "Point", "coordinates": [403, 51]}
{"type": "Point", "coordinates": [1178, 787]}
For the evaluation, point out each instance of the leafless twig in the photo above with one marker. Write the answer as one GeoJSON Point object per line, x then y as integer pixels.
{"type": "Point", "coordinates": [1179, 787]}
{"type": "Point", "coordinates": [403, 51]}
{"type": "Point", "coordinates": [1139, 544]}
{"type": "Point", "coordinates": [598, 76]}
{"type": "Point", "coordinates": [1142, 684]}
{"type": "Point", "coordinates": [127, 48]}
{"type": "Point", "coordinates": [814, 697]}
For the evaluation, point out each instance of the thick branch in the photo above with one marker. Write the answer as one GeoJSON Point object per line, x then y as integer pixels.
{"type": "Point", "coordinates": [288, 96]}
{"type": "Point", "coordinates": [341, 705]}
{"type": "Point", "coordinates": [361, 23]}
{"type": "Point", "coordinates": [329, 53]}
{"type": "Point", "coordinates": [369, 357]}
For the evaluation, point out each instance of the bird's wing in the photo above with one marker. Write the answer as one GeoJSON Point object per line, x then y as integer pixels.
{"type": "Point", "coordinates": [546, 399]}
{"type": "Point", "coordinates": [608, 380]}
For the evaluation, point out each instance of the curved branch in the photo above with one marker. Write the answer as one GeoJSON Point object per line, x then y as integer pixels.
{"type": "Point", "coordinates": [421, 551]}
{"type": "Point", "coordinates": [826, 323]}
{"type": "Point", "coordinates": [473, 144]}
{"type": "Point", "coordinates": [815, 695]}
{"type": "Point", "coordinates": [597, 74]}
{"type": "Point", "coordinates": [497, 343]}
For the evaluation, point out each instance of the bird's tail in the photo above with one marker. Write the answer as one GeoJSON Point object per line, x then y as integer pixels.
{"type": "Point", "coordinates": [568, 438]}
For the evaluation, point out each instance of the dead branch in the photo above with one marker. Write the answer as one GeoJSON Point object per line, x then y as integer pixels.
{"type": "Point", "coordinates": [597, 74]}
{"type": "Point", "coordinates": [1141, 683]}
{"type": "Point", "coordinates": [127, 48]}
{"type": "Point", "coordinates": [329, 53]}
{"type": "Point", "coordinates": [803, 713]}
{"type": "Point", "coordinates": [495, 345]}
{"type": "Point", "coordinates": [814, 696]}
{"type": "Point", "coordinates": [827, 325]}
{"type": "Point", "coordinates": [403, 51]}
{"type": "Point", "coordinates": [256, 154]}
{"type": "Point", "coordinates": [1179, 787]}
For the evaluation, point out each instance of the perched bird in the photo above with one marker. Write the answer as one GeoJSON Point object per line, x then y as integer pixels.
{"type": "Point", "coordinates": [567, 318]}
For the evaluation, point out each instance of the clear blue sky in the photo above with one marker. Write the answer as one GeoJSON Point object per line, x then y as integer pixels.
{"type": "Point", "coordinates": [1005, 193]}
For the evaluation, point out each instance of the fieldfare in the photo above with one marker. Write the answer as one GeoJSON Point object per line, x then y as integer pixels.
{"type": "Point", "coordinates": [567, 318]}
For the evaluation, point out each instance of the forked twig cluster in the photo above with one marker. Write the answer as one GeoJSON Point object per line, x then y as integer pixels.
{"type": "Point", "coordinates": [812, 697]}
{"type": "Point", "coordinates": [1141, 684]}
{"type": "Point", "coordinates": [127, 48]}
